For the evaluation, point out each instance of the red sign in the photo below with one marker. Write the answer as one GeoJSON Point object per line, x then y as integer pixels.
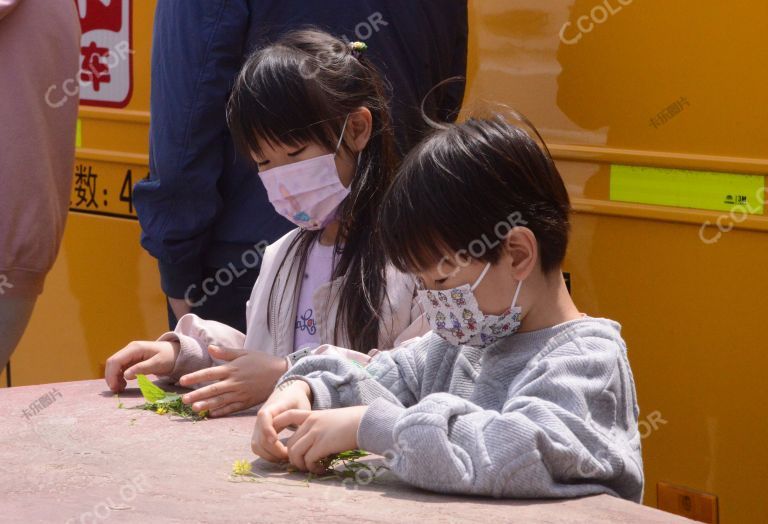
{"type": "Point", "coordinates": [106, 52]}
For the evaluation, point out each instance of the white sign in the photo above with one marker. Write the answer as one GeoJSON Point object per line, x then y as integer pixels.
{"type": "Point", "coordinates": [106, 53]}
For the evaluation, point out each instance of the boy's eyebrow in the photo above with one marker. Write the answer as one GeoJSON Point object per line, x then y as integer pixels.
{"type": "Point", "coordinates": [297, 151]}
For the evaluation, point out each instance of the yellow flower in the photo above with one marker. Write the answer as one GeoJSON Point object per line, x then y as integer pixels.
{"type": "Point", "coordinates": [241, 467]}
{"type": "Point", "coordinates": [162, 411]}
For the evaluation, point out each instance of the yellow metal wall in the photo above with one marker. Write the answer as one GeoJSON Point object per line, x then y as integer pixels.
{"type": "Point", "coordinates": [693, 312]}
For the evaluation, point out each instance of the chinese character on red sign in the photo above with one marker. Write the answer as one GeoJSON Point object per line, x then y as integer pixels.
{"type": "Point", "coordinates": [106, 52]}
{"type": "Point", "coordinates": [94, 68]}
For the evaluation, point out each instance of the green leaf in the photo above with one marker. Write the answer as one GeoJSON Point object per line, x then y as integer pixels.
{"type": "Point", "coordinates": [352, 454]}
{"type": "Point", "coordinates": [347, 459]}
{"type": "Point", "coordinates": [151, 392]}
{"type": "Point", "coordinates": [169, 398]}
{"type": "Point", "coordinates": [157, 399]}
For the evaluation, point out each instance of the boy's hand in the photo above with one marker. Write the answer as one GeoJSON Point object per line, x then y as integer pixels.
{"type": "Point", "coordinates": [294, 394]}
{"type": "Point", "coordinates": [320, 433]}
{"type": "Point", "coordinates": [148, 358]}
{"type": "Point", "coordinates": [246, 380]}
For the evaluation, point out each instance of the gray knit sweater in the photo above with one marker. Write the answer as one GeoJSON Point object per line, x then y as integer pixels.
{"type": "Point", "coordinates": [548, 413]}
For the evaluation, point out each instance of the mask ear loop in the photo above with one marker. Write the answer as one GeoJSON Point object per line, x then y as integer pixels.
{"type": "Point", "coordinates": [481, 277]}
{"type": "Point", "coordinates": [341, 136]}
{"type": "Point", "coordinates": [517, 292]}
{"type": "Point", "coordinates": [343, 128]}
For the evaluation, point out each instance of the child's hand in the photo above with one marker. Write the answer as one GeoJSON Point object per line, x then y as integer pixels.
{"type": "Point", "coordinates": [320, 433]}
{"type": "Point", "coordinates": [246, 380]}
{"type": "Point", "coordinates": [294, 394]}
{"type": "Point", "coordinates": [148, 358]}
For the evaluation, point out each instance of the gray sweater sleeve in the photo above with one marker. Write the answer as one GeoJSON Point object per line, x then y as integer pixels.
{"type": "Point", "coordinates": [392, 376]}
{"type": "Point", "coordinates": [564, 431]}
{"type": "Point", "coordinates": [567, 426]}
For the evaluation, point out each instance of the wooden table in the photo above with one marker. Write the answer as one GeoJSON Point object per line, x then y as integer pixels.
{"type": "Point", "coordinates": [80, 458]}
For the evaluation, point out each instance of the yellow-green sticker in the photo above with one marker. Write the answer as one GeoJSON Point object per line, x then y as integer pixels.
{"type": "Point", "coordinates": [690, 189]}
{"type": "Point", "coordinates": [79, 135]}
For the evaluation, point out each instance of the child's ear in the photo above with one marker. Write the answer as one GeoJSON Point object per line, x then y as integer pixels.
{"type": "Point", "coordinates": [359, 128]}
{"type": "Point", "coordinates": [521, 246]}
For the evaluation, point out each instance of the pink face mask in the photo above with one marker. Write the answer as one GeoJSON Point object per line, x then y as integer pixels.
{"type": "Point", "coordinates": [308, 192]}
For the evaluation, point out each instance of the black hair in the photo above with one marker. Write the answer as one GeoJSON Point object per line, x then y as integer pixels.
{"type": "Point", "coordinates": [461, 183]}
{"type": "Point", "coordinates": [299, 90]}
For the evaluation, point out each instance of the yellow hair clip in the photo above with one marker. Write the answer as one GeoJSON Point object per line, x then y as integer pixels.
{"type": "Point", "coordinates": [358, 48]}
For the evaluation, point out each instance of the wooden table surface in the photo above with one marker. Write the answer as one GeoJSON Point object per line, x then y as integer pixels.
{"type": "Point", "coordinates": [80, 458]}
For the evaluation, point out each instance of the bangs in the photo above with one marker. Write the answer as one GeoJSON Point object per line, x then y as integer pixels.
{"type": "Point", "coordinates": [274, 99]}
{"type": "Point", "coordinates": [414, 248]}
{"type": "Point", "coordinates": [422, 220]}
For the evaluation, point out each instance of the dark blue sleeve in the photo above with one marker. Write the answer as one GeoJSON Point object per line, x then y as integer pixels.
{"type": "Point", "coordinates": [450, 104]}
{"type": "Point", "coordinates": [197, 50]}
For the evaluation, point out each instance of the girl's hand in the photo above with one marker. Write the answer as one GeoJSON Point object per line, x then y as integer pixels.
{"type": "Point", "coordinates": [294, 394]}
{"type": "Point", "coordinates": [320, 433]}
{"type": "Point", "coordinates": [246, 380]}
{"type": "Point", "coordinates": [140, 357]}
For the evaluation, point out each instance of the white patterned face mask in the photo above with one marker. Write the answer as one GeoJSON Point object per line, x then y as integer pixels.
{"type": "Point", "coordinates": [455, 315]}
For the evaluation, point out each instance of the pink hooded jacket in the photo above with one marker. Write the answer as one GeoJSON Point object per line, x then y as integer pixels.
{"type": "Point", "coordinates": [400, 320]}
{"type": "Point", "coordinates": [39, 48]}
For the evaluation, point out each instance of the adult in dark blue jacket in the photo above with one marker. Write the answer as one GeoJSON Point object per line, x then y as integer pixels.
{"type": "Point", "coordinates": [203, 209]}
